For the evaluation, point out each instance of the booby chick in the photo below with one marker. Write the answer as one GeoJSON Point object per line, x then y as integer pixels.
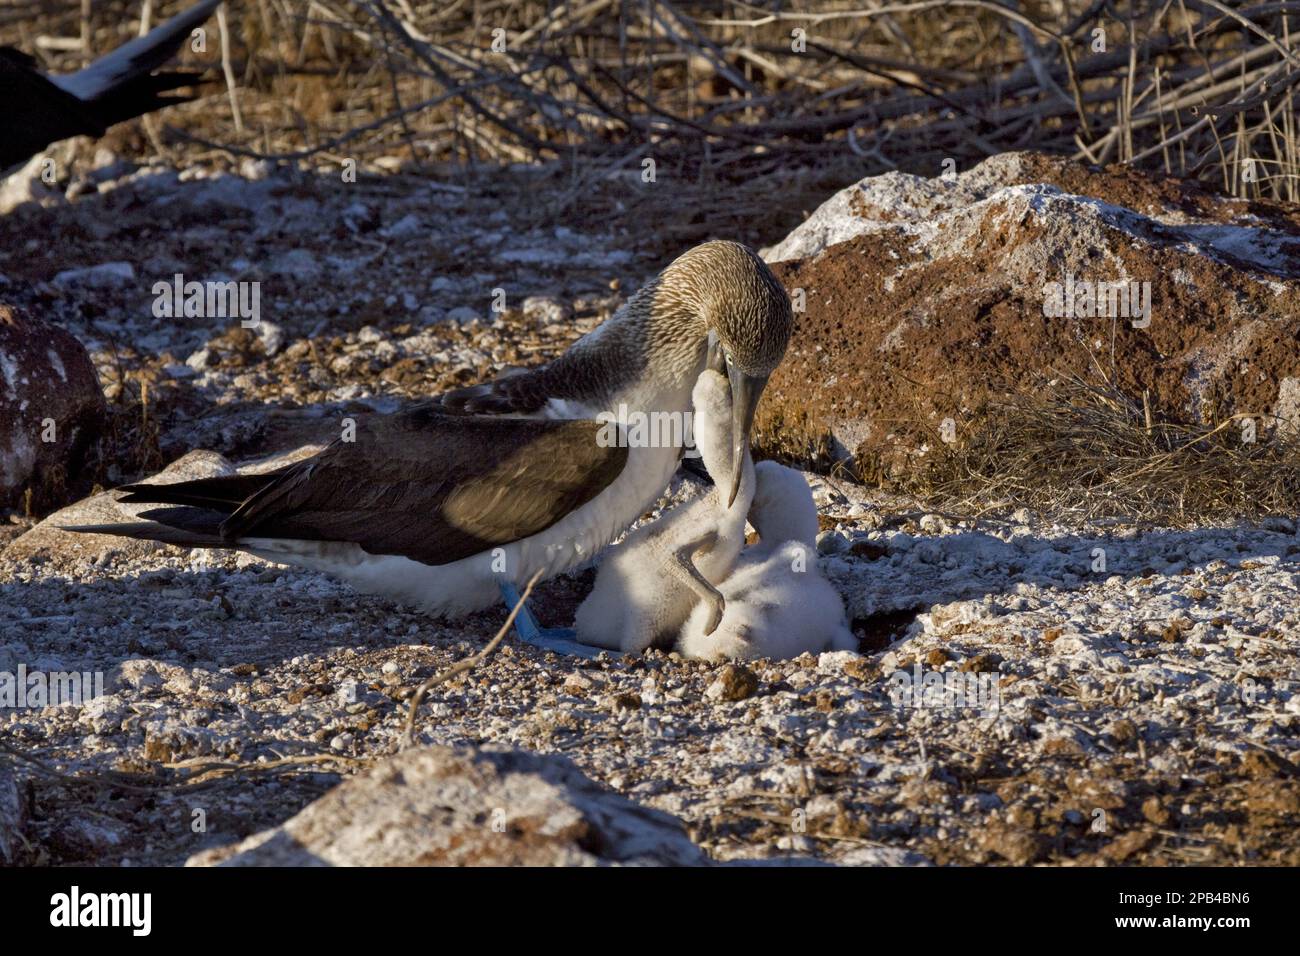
{"type": "Point", "coordinates": [648, 583]}
{"type": "Point", "coordinates": [456, 499]}
{"type": "Point", "coordinates": [777, 604]}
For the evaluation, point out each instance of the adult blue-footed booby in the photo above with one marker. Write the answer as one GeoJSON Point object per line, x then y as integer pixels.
{"type": "Point", "coordinates": [37, 110]}
{"type": "Point", "coordinates": [449, 501]}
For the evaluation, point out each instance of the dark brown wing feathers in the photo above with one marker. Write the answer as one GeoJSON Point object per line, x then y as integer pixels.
{"type": "Point", "coordinates": [429, 486]}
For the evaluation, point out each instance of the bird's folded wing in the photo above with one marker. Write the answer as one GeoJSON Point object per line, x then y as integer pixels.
{"type": "Point", "coordinates": [433, 487]}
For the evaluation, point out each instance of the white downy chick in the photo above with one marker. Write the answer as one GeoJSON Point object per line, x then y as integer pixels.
{"type": "Point", "coordinates": [778, 605]}
{"type": "Point", "coordinates": [651, 581]}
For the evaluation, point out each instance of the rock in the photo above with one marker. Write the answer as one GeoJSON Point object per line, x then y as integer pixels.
{"type": "Point", "coordinates": [883, 856]}
{"type": "Point", "coordinates": [108, 166]}
{"type": "Point", "coordinates": [1155, 811]}
{"type": "Point", "coordinates": [839, 662]}
{"type": "Point", "coordinates": [946, 293]}
{"type": "Point", "coordinates": [1263, 763]}
{"type": "Point", "coordinates": [462, 313]}
{"type": "Point", "coordinates": [106, 275]}
{"type": "Point", "coordinates": [270, 335]}
{"type": "Point", "coordinates": [546, 310]}
{"type": "Point", "coordinates": [981, 663]}
{"type": "Point", "coordinates": [138, 674]}
{"type": "Point", "coordinates": [628, 701]}
{"type": "Point", "coordinates": [256, 170]}
{"type": "Point", "coordinates": [408, 227]}
{"type": "Point", "coordinates": [576, 683]}
{"type": "Point", "coordinates": [1016, 843]}
{"type": "Point", "coordinates": [66, 550]}
{"type": "Point", "coordinates": [28, 185]}
{"type": "Point", "coordinates": [438, 806]}
{"type": "Point", "coordinates": [831, 542]}
{"type": "Point", "coordinates": [933, 524]}
{"type": "Point", "coordinates": [83, 837]}
{"type": "Point", "coordinates": [13, 816]}
{"type": "Point", "coordinates": [202, 359]}
{"type": "Point", "coordinates": [1126, 844]}
{"type": "Point", "coordinates": [51, 407]}
{"type": "Point", "coordinates": [295, 264]}
{"type": "Point", "coordinates": [869, 550]}
{"type": "Point", "coordinates": [734, 682]}
{"type": "Point", "coordinates": [861, 669]}
{"type": "Point", "coordinates": [1279, 523]}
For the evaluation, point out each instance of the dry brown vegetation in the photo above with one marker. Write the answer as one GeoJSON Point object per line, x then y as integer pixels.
{"type": "Point", "coordinates": [728, 89]}
{"type": "Point", "coordinates": [1085, 449]}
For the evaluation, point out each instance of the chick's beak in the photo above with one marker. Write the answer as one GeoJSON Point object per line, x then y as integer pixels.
{"type": "Point", "coordinates": [746, 390]}
{"type": "Point", "coordinates": [716, 360]}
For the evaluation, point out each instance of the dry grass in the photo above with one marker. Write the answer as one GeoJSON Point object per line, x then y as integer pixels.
{"type": "Point", "coordinates": [725, 88]}
{"type": "Point", "coordinates": [1086, 450]}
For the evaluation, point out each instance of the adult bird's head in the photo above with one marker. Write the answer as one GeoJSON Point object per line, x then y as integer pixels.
{"type": "Point", "coordinates": [749, 319]}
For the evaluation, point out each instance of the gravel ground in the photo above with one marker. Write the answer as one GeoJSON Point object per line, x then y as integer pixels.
{"type": "Point", "coordinates": [1140, 710]}
{"type": "Point", "coordinates": [1147, 714]}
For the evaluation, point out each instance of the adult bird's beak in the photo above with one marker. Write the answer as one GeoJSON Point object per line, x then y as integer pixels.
{"type": "Point", "coordinates": [746, 390]}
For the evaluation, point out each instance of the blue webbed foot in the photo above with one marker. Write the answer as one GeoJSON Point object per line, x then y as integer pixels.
{"type": "Point", "coordinates": [561, 640]}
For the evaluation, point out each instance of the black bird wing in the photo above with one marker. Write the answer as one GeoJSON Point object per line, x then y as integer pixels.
{"type": "Point", "coordinates": [428, 486]}
{"type": "Point", "coordinates": [138, 58]}
{"type": "Point", "coordinates": [34, 112]}
{"type": "Point", "coordinates": [37, 110]}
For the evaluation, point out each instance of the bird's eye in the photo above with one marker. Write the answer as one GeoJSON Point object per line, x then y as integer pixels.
{"type": "Point", "coordinates": [727, 357]}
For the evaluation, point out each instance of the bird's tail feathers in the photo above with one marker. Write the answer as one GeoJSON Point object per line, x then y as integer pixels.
{"type": "Point", "coordinates": [183, 527]}
{"type": "Point", "coordinates": [223, 493]}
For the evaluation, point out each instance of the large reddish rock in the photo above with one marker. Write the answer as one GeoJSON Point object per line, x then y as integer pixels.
{"type": "Point", "coordinates": [925, 300]}
{"type": "Point", "coordinates": [51, 408]}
